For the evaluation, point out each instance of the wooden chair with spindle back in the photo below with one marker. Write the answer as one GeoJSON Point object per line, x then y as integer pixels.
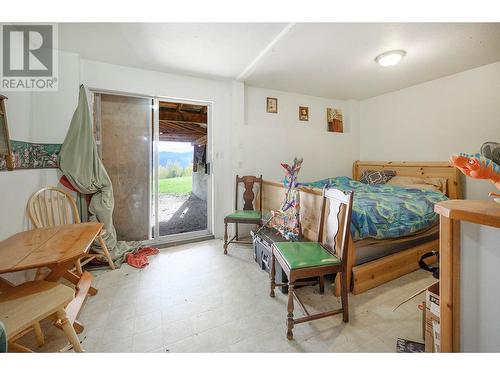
{"type": "Point", "coordinates": [249, 214]}
{"type": "Point", "coordinates": [303, 260]}
{"type": "Point", "coordinates": [51, 206]}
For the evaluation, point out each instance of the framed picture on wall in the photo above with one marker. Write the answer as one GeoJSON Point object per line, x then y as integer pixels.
{"type": "Point", "coordinates": [304, 113]}
{"type": "Point", "coordinates": [272, 105]}
{"type": "Point", "coordinates": [5, 146]}
{"type": "Point", "coordinates": [335, 120]}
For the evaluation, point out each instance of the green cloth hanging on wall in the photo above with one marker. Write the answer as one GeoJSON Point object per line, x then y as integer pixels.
{"type": "Point", "coordinates": [82, 166]}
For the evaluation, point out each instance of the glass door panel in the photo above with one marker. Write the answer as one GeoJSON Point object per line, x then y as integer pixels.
{"type": "Point", "coordinates": [125, 125]}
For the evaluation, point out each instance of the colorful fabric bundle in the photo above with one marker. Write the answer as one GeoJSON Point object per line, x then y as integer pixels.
{"type": "Point", "coordinates": [139, 259]}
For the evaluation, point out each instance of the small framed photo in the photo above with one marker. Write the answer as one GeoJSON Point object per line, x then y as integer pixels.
{"type": "Point", "coordinates": [304, 113]}
{"type": "Point", "coordinates": [272, 105]}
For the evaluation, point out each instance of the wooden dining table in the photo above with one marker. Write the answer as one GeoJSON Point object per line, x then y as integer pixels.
{"type": "Point", "coordinates": [56, 248]}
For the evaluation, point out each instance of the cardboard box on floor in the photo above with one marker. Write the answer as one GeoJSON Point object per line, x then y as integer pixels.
{"type": "Point", "coordinates": [430, 317]}
{"type": "Point", "coordinates": [432, 327]}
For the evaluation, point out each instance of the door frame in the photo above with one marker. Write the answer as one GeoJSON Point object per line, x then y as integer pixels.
{"type": "Point", "coordinates": [155, 238]}
{"type": "Point", "coordinates": [181, 237]}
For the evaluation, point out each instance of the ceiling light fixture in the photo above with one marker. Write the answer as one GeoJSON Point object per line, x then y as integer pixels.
{"type": "Point", "coordinates": [390, 58]}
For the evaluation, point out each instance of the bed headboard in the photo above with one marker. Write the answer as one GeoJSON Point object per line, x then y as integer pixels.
{"type": "Point", "coordinates": [416, 169]}
{"type": "Point", "coordinates": [311, 198]}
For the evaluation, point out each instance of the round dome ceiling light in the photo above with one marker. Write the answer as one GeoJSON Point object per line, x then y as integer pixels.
{"type": "Point", "coordinates": [390, 58]}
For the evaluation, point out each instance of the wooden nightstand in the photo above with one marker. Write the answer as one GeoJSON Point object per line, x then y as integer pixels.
{"type": "Point", "coordinates": [452, 212]}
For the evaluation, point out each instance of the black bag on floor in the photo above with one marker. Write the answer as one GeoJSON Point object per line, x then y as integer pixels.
{"type": "Point", "coordinates": [429, 268]}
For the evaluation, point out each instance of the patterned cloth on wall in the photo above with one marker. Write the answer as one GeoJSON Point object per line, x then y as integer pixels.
{"type": "Point", "coordinates": [33, 155]}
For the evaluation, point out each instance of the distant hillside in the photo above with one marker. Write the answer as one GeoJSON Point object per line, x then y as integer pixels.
{"type": "Point", "coordinates": [183, 158]}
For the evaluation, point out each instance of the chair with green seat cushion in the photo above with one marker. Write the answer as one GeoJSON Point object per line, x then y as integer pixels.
{"type": "Point", "coordinates": [305, 254]}
{"type": "Point", "coordinates": [249, 214]}
{"type": "Point", "coordinates": [303, 260]}
{"type": "Point", "coordinates": [245, 215]}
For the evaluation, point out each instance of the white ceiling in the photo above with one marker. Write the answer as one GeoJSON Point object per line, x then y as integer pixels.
{"type": "Point", "coordinates": [333, 60]}
{"type": "Point", "coordinates": [201, 49]}
{"type": "Point", "coordinates": [337, 60]}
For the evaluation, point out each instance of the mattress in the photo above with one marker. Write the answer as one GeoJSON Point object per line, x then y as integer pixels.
{"type": "Point", "coordinates": [371, 249]}
{"type": "Point", "coordinates": [386, 211]}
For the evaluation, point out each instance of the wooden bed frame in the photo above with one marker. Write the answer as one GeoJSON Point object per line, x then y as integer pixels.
{"type": "Point", "coordinates": [371, 274]}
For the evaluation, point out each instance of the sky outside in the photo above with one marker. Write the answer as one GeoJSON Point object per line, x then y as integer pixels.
{"type": "Point", "coordinates": [175, 146]}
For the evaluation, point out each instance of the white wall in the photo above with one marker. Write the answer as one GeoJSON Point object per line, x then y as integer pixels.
{"type": "Point", "coordinates": [265, 140]}
{"type": "Point", "coordinates": [432, 121]}
{"type": "Point", "coordinates": [119, 78]}
{"type": "Point", "coordinates": [245, 139]}
{"type": "Point", "coordinates": [36, 117]}
{"type": "Point", "coordinates": [45, 117]}
{"type": "Point", "coordinates": [435, 119]}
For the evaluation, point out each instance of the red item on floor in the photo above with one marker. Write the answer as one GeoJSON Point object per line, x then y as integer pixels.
{"type": "Point", "coordinates": [139, 259]}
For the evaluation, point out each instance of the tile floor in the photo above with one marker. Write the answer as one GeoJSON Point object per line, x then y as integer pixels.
{"type": "Point", "coordinates": [192, 298]}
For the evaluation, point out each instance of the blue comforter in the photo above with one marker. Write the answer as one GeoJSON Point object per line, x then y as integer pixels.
{"type": "Point", "coordinates": [386, 211]}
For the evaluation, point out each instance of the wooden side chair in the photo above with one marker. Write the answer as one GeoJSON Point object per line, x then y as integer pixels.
{"type": "Point", "coordinates": [51, 206]}
{"type": "Point", "coordinates": [24, 306]}
{"type": "Point", "coordinates": [249, 214]}
{"type": "Point", "coordinates": [301, 260]}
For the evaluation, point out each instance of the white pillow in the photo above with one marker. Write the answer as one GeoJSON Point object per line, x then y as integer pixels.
{"type": "Point", "coordinates": [427, 183]}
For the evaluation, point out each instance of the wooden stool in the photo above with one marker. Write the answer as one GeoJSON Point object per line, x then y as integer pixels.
{"type": "Point", "coordinates": [24, 306]}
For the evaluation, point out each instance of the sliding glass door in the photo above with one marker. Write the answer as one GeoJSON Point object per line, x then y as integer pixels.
{"type": "Point", "coordinates": [157, 153]}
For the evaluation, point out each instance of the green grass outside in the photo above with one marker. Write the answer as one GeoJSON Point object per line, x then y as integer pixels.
{"type": "Point", "coordinates": [176, 185]}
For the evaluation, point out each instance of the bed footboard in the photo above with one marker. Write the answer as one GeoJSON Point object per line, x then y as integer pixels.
{"type": "Point", "coordinates": [377, 272]}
